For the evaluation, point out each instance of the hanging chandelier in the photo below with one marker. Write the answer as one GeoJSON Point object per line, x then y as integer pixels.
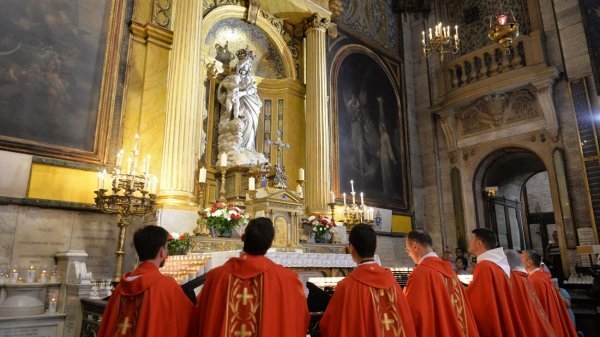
{"type": "Point", "coordinates": [505, 31]}
{"type": "Point", "coordinates": [443, 41]}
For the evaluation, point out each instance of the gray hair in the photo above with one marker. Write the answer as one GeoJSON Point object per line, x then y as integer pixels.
{"type": "Point", "coordinates": [514, 259]}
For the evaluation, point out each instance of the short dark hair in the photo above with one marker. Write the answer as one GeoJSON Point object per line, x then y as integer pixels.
{"type": "Point", "coordinates": [464, 261]}
{"type": "Point", "coordinates": [258, 236]}
{"type": "Point", "coordinates": [364, 240]}
{"type": "Point", "coordinates": [149, 240]}
{"type": "Point", "coordinates": [535, 257]}
{"type": "Point", "coordinates": [487, 236]}
{"type": "Point", "coordinates": [420, 236]}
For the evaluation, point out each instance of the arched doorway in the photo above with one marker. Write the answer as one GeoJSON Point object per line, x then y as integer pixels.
{"type": "Point", "coordinates": [501, 198]}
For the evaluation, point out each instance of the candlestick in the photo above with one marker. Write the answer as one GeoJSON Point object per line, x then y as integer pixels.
{"type": "Point", "coordinates": [301, 174]}
{"type": "Point", "coordinates": [353, 198]}
{"type": "Point", "coordinates": [202, 178]}
{"type": "Point", "coordinates": [352, 185]}
{"type": "Point", "coordinates": [362, 200]}
{"type": "Point", "coordinates": [251, 184]}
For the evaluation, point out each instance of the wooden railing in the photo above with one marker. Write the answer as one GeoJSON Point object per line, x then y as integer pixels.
{"type": "Point", "coordinates": [490, 61]}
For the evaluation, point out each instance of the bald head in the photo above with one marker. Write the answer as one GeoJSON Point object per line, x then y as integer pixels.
{"type": "Point", "coordinates": [514, 259]}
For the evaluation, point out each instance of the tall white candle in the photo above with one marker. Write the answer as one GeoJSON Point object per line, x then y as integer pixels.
{"type": "Point", "coordinates": [251, 184]}
{"type": "Point", "coordinates": [120, 158]}
{"type": "Point", "coordinates": [301, 174]}
{"type": "Point", "coordinates": [344, 195]}
{"type": "Point", "coordinates": [30, 277]}
{"type": "Point", "coordinates": [362, 199]}
{"type": "Point", "coordinates": [104, 179]}
{"type": "Point", "coordinates": [137, 141]}
{"type": "Point", "coordinates": [223, 159]}
{"type": "Point", "coordinates": [202, 177]}
{"type": "Point", "coordinates": [351, 185]}
{"type": "Point", "coordinates": [332, 197]}
{"type": "Point", "coordinates": [99, 183]}
{"type": "Point", "coordinates": [353, 198]}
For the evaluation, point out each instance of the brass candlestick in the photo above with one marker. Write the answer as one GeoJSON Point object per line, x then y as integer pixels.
{"type": "Point", "coordinates": [200, 228]}
{"type": "Point", "coordinates": [332, 207]}
{"type": "Point", "coordinates": [222, 191]}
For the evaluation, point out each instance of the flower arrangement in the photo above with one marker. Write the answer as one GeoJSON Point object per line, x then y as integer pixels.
{"type": "Point", "coordinates": [224, 217]}
{"type": "Point", "coordinates": [178, 244]}
{"type": "Point", "coordinates": [320, 225]}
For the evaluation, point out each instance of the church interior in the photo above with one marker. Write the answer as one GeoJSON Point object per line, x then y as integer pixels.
{"type": "Point", "coordinates": [198, 115]}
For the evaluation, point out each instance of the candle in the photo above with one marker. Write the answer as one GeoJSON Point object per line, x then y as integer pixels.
{"type": "Point", "coordinates": [447, 31]}
{"type": "Point", "coordinates": [137, 142]}
{"type": "Point", "coordinates": [352, 185]}
{"type": "Point", "coordinates": [202, 178]}
{"type": "Point", "coordinates": [362, 200]}
{"type": "Point", "coordinates": [456, 32]}
{"type": "Point", "coordinates": [104, 179]}
{"type": "Point", "coordinates": [301, 174]}
{"type": "Point", "coordinates": [223, 162]}
{"type": "Point", "coordinates": [430, 35]}
{"type": "Point", "coordinates": [251, 184]}
{"type": "Point", "coordinates": [344, 195]}
{"type": "Point", "coordinates": [14, 275]}
{"type": "Point", "coordinates": [30, 278]}
{"type": "Point", "coordinates": [119, 158]}
{"type": "Point", "coordinates": [99, 183]}
{"type": "Point", "coordinates": [52, 305]}
{"type": "Point", "coordinates": [502, 20]}
{"type": "Point", "coordinates": [44, 276]}
{"type": "Point", "coordinates": [423, 37]}
{"type": "Point", "coordinates": [332, 197]}
{"type": "Point", "coordinates": [353, 198]}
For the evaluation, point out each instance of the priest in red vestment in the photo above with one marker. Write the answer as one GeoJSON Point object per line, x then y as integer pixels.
{"type": "Point", "coordinates": [435, 295]}
{"type": "Point", "coordinates": [147, 303]}
{"type": "Point", "coordinates": [489, 293]}
{"type": "Point", "coordinates": [251, 296]}
{"type": "Point", "coordinates": [532, 314]}
{"type": "Point", "coordinates": [369, 302]}
{"type": "Point", "coordinates": [548, 295]}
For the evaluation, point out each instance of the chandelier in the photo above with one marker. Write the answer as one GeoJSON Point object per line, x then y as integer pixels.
{"type": "Point", "coordinates": [506, 30]}
{"type": "Point", "coordinates": [443, 42]}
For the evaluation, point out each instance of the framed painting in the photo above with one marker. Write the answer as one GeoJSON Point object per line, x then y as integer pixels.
{"type": "Point", "coordinates": [368, 124]}
{"type": "Point", "coordinates": [59, 73]}
{"type": "Point", "coordinates": [590, 11]}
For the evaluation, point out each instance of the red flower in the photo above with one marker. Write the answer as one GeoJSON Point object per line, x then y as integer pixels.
{"type": "Point", "coordinates": [182, 237]}
{"type": "Point", "coordinates": [169, 237]}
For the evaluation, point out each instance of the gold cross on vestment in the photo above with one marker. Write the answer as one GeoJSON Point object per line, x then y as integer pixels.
{"type": "Point", "coordinates": [387, 322]}
{"type": "Point", "coordinates": [124, 326]}
{"type": "Point", "coordinates": [245, 296]}
{"type": "Point", "coordinates": [243, 332]}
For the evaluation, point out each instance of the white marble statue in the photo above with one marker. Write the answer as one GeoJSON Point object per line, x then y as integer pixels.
{"type": "Point", "coordinates": [241, 108]}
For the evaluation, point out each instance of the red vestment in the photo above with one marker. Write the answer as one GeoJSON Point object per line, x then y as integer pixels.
{"type": "Point", "coordinates": [149, 305]}
{"type": "Point", "coordinates": [492, 303]}
{"type": "Point", "coordinates": [251, 296]}
{"type": "Point", "coordinates": [534, 318]}
{"type": "Point", "coordinates": [438, 302]}
{"type": "Point", "coordinates": [368, 303]}
{"type": "Point", "coordinates": [553, 305]}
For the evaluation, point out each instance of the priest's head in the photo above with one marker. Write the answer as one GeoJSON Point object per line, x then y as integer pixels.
{"type": "Point", "coordinates": [482, 240]}
{"type": "Point", "coordinates": [418, 244]}
{"type": "Point", "coordinates": [514, 259]}
{"type": "Point", "coordinates": [531, 260]}
{"type": "Point", "coordinates": [363, 242]}
{"type": "Point", "coordinates": [151, 244]}
{"type": "Point", "coordinates": [258, 236]}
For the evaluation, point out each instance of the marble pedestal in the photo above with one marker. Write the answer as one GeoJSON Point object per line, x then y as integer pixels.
{"type": "Point", "coordinates": [22, 300]}
{"type": "Point", "coordinates": [46, 325]}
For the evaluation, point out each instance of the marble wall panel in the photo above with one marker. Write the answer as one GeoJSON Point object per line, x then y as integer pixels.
{"type": "Point", "coordinates": [15, 174]}
{"type": "Point", "coordinates": [40, 234]}
{"type": "Point", "coordinates": [8, 226]}
{"type": "Point", "coordinates": [97, 234]}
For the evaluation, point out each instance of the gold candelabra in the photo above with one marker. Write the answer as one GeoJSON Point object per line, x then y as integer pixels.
{"type": "Point", "coordinates": [443, 42]}
{"type": "Point", "coordinates": [355, 214]}
{"type": "Point", "coordinates": [506, 31]}
{"type": "Point", "coordinates": [129, 194]}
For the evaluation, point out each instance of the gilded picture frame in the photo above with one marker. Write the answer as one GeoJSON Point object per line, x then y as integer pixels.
{"type": "Point", "coordinates": [61, 62]}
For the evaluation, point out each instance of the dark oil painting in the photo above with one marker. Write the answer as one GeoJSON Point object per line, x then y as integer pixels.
{"type": "Point", "coordinates": [51, 61]}
{"type": "Point", "coordinates": [370, 133]}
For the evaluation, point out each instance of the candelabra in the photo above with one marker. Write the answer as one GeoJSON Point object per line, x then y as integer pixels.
{"type": "Point", "coordinates": [443, 42]}
{"type": "Point", "coordinates": [355, 214]}
{"type": "Point", "coordinates": [506, 31]}
{"type": "Point", "coordinates": [129, 194]}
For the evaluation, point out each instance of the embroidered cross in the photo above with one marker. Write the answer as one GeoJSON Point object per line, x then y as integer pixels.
{"type": "Point", "coordinates": [243, 332]}
{"type": "Point", "coordinates": [245, 296]}
{"type": "Point", "coordinates": [124, 326]}
{"type": "Point", "coordinates": [387, 322]}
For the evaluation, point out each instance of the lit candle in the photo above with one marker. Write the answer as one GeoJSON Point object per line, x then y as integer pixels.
{"type": "Point", "coordinates": [30, 278]}
{"type": "Point", "coordinates": [423, 37]}
{"type": "Point", "coordinates": [223, 159]}
{"type": "Point", "coordinates": [430, 34]}
{"type": "Point", "coordinates": [344, 195]}
{"type": "Point", "coordinates": [43, 276]}
{"type": "Point", "coordinates": [52, 305]}
{"type": "Point", "coordinates": [251, 184]}
{"type": "Point", "coordinates": [104, 179]}
{"type": "Point", "coordinates": [119, 158]}
{"type": "Point", "coordinates": [301, 174]}
{"type": "Point", "coordinates": [202, 178]}
{"type": "Point", "coordinates": [456, 32]}
{"type": "Point", "coordinates": [332, 197]}
{"type": "Point", "coordinates": [352, 185]}
{"type": "Point", "coordinates": [447, 31]}
{"type": "Point", "coordinates": [362, 199]}
{"type": "Point", "coordinates": [502, 19]}
{"type": "Point", "coordinates": [99, 184]}
{"type": "Point", "coordinates": [14, 275]}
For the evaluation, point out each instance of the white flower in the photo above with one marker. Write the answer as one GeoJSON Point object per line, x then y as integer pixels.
{"type": "Point", "coordinates": [207, 210]}
{"type": "Point", "coordinates": [174, 235]}
{"type": "Point", "coordinates": [311, 218]}
{"type": "Point", "coordinates": [218, 213]}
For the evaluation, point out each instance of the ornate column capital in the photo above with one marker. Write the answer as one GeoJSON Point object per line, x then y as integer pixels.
{"type": "Point", "coordinates": [317, 22]}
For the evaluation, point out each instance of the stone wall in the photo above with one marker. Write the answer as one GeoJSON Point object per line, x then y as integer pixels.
{"type": "Point", "coordinates": [538, 193]}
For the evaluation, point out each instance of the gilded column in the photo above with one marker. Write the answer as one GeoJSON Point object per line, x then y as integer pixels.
{"type": "Point", "coordinates": [183, 94]}
{"type": "Point", "coordinates": [318, 168]}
